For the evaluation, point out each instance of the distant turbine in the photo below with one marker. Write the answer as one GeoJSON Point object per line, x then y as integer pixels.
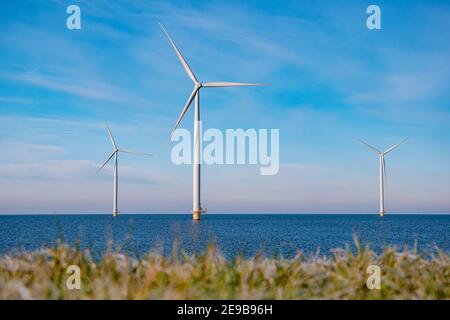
{"type": "Point", "coordinates": [197, 208]}
{"type": "Point", "coordinates": [116, 169]}
{"type": "Point", "coordinates": [382, 170]}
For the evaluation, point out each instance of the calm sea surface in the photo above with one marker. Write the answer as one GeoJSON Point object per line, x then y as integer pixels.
{"type": "Point", "coordinates": [233, 233]}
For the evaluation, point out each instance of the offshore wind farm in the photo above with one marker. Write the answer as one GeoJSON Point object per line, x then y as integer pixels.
{"type": "Point", "coordinates": [234, 233]}
{"type": "Point", "coordinates": [278, 162]}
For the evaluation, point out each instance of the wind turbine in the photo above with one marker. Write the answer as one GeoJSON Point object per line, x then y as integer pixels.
{"type": "Point", "coordinates": [382, 170]}
{"type": "Point", "coordinates": [114, 154]}
{"type": "Point", "coordinates": [197, 208]}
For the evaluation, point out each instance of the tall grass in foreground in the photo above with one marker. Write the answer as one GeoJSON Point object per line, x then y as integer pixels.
{"type": "Point", "coordinates": [404, 275]}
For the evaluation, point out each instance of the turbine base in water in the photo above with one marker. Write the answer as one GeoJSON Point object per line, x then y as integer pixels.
{"type": "Point", "coordinates": [196, 215]}
{"type": "Point", "coordinates": [115, 213]}
{"type": "Point", "coordinates": [381, 213]}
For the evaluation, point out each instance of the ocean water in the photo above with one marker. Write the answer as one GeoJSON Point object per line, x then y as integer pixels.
{"type": "Point", "coordinates": [234, 234]}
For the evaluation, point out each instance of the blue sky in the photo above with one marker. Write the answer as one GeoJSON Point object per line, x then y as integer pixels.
{"type": "Point", "coordinates": [333, 82]}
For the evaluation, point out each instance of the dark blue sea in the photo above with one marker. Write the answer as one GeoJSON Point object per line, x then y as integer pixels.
{"type": "Point", "coordinates": [270, 234]}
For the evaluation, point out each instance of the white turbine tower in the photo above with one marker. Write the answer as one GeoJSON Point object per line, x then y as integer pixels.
{"type": "Point", "coordinates": [114, 154]}
{"type": "Point", "coordinates": [382, 170]}
{"type": "Point", "coordinates": [197, 208]}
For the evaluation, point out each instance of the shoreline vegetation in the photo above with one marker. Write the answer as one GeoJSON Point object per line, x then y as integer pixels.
{"type": "Point", "coordinates": [43, 274]}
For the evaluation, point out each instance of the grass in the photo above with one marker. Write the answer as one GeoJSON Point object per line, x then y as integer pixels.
{"type": "Point", "coordinates": [404, 275]}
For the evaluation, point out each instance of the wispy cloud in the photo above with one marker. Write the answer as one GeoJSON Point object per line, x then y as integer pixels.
{"type": "Point", "coordinates": [84, 88]}
{"type": "Point", "coordinates": [14, 100]}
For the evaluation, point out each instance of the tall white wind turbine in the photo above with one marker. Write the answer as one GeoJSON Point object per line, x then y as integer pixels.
{"type": "Point", "coordinates": [114, 154]}
{"type": "Point", "coordinates": [382, 170]}
{"type": "Point", "coordinates": [197, 208]}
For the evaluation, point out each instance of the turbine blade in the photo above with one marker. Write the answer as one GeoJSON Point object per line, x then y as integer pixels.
{"type": "Point", "coordinates": [233, 84]}
{"type": "Point", "coordinates": [180, 56]}
{"type": "Point", "coordinates": [185, 109]}
{"type": "Point", "coordinates": [107, 160]}
{"type": "Point", "coordinates": [384, 173]}
{"type": "Point", "coordinates": [134, 152]}
{"type": "Point", "coordinates": [372, 148]}
{"type": "Point", "coordinates": [395, 146]}
{"type": "Point", "coordinates": [111, 136]}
